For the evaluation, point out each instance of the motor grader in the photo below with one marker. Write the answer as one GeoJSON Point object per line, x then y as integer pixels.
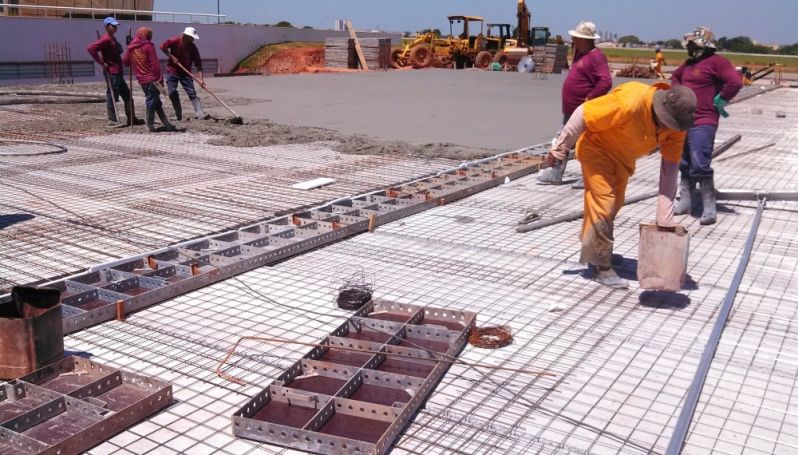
{"type": "Point", "coordinates": [459, 49]}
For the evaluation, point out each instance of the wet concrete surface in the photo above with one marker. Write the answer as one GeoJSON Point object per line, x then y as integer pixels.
{"type": "Point", "coordinates": [477, 109]}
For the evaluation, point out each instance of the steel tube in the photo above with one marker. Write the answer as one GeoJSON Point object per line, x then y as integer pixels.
{"type": "Point", "coordinates": [676, 443]}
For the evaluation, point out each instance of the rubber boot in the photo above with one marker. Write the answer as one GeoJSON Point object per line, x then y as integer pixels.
{"type": "Point", "coordinates": [150, 120]}
{"type": "Point", "coordinates": [198, 112]}
{"type": "Point", "coordinates": [128, 110]}
{"type": "Point", "coordinates": [579, 184]}
{"type": "Point", "coordinates": [112, 119]}
{"type": "Point", "coordinates": [553, 174]}
{"type": "Point", "coordinates": [175, 99]}
{"type": "Point", "coordinates": [686, 188]}
{"type": "Point", "coordinates": [164, 120]}
{"type": "Point", "coordinates": [606, 276]}
{"type": "Point", "coordinates": [708, 197]}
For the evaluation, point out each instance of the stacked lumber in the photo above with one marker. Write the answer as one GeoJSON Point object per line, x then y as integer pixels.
{"type": "Point", "coordinates": [553, 58]}
{"type": "Point", "coordinates": [377, 52]}
{"type": "Point", "coordinates": [340, 53]}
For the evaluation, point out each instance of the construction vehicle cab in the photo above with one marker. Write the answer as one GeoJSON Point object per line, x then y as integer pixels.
{"type": "Point", "coordinates": [467, 48]}
{"type": "Point", "coordinates": [498, 36]}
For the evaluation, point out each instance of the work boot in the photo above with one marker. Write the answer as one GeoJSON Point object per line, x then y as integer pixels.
{"type": "Point", "coordinates": [708, 198]}
{"type": "Point", "coordinates": [198, 112]}
{"type": "Point", "coordinates": [112, 119]}
{"type": "Point", "coordinates": [553, 174]}
{"type": "Point", "coordinates": [606, 276]}
{"type": "Point", "coordinates": [175, 99]}
{"type": "Point", "coordinates": [164, 120]}
{"type": "Point", "coordinates": [686, 188]}
{"type": "Point", "coordinates": [150, 120]}
{"type": "Point", "coordinates": [128, 110]}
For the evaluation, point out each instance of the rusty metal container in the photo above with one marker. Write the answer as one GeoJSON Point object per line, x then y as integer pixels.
{"type": "Point", "coordinates": [31, 331]}
{"type": "Point", "coordinates": [662, 257]}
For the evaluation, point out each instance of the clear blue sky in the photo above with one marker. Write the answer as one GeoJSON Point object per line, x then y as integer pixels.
{"type": "Point", "coordinates": [766, 21]}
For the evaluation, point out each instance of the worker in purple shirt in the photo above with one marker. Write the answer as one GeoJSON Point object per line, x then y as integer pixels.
{"type": "Point", "coordinates": [182, 51]}
{"type": "Point", "coordinates": [715, 82]}
{"type": "Point", "coordinates": [588, 78]}
{"type": "Point", "coordinates": [107, 52]}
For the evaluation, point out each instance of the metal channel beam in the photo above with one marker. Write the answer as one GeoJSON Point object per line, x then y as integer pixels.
{"type": "Point", "coordinates": [133, 283]}
{"type": "Point", "coordinates": [691, 402]}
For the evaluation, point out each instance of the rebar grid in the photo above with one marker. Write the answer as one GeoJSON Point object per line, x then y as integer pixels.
{"type": "Point", "coordinates": [624, 358]}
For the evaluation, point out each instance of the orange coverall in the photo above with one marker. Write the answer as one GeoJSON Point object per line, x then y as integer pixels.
{"type": "Point", "coordinates": [619, 129]}
{"type": "Point", "coordinates": [660, 60]}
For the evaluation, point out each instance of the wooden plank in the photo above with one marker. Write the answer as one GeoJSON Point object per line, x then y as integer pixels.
{"type": "Point", "coordinates": [357, 45]}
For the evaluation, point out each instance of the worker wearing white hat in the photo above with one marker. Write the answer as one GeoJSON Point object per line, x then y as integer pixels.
{"type": "Point", "coordinates": [588, 78]}
{"type": "Point", "coordinates": [183, 54]}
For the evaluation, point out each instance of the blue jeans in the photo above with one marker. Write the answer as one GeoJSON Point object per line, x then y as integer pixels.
{"type": "Point", "coordinates": [697, 153]}
{"type": "Point", "coordinates": [186, 81]}
{"type": "Point", "coordinates": [118, 89]}
{"type": "Point", "coordinates": [153, 97]}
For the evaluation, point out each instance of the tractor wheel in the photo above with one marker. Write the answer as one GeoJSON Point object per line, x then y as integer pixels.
{"type": "Point", "coordinates": [482, 60]}
{"type": "Point", "coordinates": [420, 56]}
{"type": "Point", "coordinates": [500, 58]}
{"type": "Point", "coordinates": [397, 61]}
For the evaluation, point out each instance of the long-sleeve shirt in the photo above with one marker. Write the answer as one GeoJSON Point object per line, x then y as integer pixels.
{"type": "Point", "coordinates": [709, 77]}
{"type": "Point", "coordinates": [588, 78]}
{"type": "Point", "coordinates": [143, 60]}
{"type": "Point", "coordinates": [107, 50]}
{"type": "Point", "coordinates": [186, 54]}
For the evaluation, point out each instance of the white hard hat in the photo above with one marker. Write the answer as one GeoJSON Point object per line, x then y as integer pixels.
{"type": "Point", "coordinates": [586, 30]}
{"type": "Point", "coordinates": [191, 31]}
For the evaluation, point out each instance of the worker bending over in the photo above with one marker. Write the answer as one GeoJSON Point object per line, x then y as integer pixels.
{"type": "Point", "coordinates": [143, 60]}
{"type": "Point", "coordinates": [588, 78]}
{"type": "Point", "coordinates": [715, 82]}
{"type": "Point", "coordinates": [610, 133]}
{"type": "Point", "coordinates": [107, 51]}
{"type": "Point", "coordinates": [183, 52]}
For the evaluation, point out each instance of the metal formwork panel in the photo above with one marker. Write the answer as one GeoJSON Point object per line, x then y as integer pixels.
{"type": "Point", "coordinates": [74, 404]}
{"type": "Point", "coordinates": [134, 283]}
{"type": "Point", "coordinates": [335, 400]}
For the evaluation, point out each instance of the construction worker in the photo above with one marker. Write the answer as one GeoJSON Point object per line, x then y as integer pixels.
{"type": "Point", "coordinates": [182, 51]}
{"type": "Point", "coordinates": [715, 82]}
{"type": "Point", "coordinates": [659, 61]}
{"type": "Point", "coordinates": [107, 52]}
{"type": "Point", "coordinates": [143, 60]}
{"type": "Point", "coordinates": [610, 133]}
{"type": "Point", "coordinates": [588, 78]}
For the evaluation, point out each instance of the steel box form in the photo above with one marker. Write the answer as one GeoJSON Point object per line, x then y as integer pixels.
{"type": "Point", "coordinates": [354, 407]}
{"type": "Point", "coordinates": [74, 404]}
{"type": "Point", "coordinates": [156, 276]}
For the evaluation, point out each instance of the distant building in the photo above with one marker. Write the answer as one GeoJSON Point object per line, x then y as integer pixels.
{"type": "Point", "coordinates": [64, 11]}
{"type": "Point", "coordinates": [340, 25]}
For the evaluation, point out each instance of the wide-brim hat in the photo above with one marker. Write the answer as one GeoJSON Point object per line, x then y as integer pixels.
{"type": "Point", "coordinates": [675, 108]}
{"type": "Point", "coordinates": [701, 36]}
{"type": "Point", "coordinates": [586, 30]}
{"type": "Point", "coordinates": [191, 31]}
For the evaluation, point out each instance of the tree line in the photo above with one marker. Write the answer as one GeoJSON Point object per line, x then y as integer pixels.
{"type": "Point", "coordinates": [742, 44]}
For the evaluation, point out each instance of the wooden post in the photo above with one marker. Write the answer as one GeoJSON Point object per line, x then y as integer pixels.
{"type": "Point", "coordinates": [358, 49]}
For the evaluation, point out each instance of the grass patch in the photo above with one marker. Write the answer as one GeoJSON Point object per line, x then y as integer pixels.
{"type": "Point", "coordinates": [675, 57]}
{"type": "Point", "coordinates": [256, 60]}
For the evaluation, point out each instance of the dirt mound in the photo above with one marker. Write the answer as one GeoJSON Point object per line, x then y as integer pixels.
{"type": "Point", "coordinates": [294, 61]}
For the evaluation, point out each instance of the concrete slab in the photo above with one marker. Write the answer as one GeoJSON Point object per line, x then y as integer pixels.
{"type": "Point", "coordinates": [495, 110]}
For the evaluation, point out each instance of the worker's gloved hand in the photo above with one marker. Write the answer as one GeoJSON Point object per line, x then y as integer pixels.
{"type": "Point", "coordinates": [720, 105]}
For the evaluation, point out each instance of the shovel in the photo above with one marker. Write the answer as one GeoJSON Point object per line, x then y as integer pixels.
{"type": "Point", "coordinates": [236, 120]}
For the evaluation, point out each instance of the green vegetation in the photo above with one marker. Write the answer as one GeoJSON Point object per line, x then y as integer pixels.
{"type": "Point", "coordinates": [674, 57]}
{"type": "Point", "coordinates": [629, 39]}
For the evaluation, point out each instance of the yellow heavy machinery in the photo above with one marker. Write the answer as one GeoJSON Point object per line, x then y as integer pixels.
{"type": "Point", "coordinates": [460, 48]}
{"type": "Point", "coordinates": [524, 42]}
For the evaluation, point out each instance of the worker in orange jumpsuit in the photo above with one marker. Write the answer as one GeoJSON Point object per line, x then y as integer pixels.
{"type": "Point", "coordinates": [610, 133]}
{"type": "Point", "coordinates": [659, 61]}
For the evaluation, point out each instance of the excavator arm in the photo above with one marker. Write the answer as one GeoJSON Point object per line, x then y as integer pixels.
{"type": "Point", "coordinates": [524, 18]}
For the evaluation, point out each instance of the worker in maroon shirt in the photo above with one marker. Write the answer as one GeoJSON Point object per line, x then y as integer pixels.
{"type": "Point", "coordinates": [107, 51]}
{"type": "Point", "coordinates": [588, 78]}
{"type": "Point", "coordinates": [143, 61]}
{"type": "Point", "coordinates": [183, 52]}
{"type": "Point", "coordinates": [715, 82]}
